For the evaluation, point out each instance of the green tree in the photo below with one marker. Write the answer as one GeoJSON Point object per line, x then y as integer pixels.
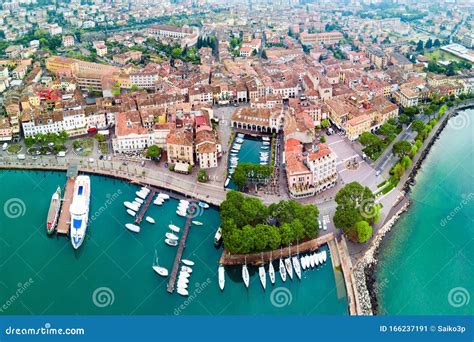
{"type": "Point", "coordinates": [325, 123]}
{"type": "Point", "coordinates": [437, 43]}
{"type": "Point", "coordinates": [202, 176]}
{"type": "Point", "coordinates": [153, 152]}
{"type": "Point", "coordinates": [368, 139]}
{"type": "Point", "coordinates": [418, 126]}
{"type": "Point", "coordinates": [286, 233]}
{"type": "Point", "coordinates": [429, 43]}
{"type": "Point", "coordinates": [401, 148]}
{"type": "Point", "coordinates": [364, 231]}
{"type": "Point", "coordinates": [239, 178]}
{"type": "Point", "coordinates": [419, 46]}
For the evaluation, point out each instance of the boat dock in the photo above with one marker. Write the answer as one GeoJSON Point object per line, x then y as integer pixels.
{"type": "Point", "coordinates": [145, 206]}
{"type": "Point", "coordinates": [263, 258]}
{"type": "Point", "coordinates": [179, 253]}
{"type": "Point", "coordinates": [64, 220]}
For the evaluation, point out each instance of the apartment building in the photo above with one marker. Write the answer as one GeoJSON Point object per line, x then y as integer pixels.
{"type": "Point", "coordinates": [331, 37]}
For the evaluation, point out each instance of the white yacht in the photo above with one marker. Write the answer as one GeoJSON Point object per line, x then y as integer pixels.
{"type": "Point", "coordinates": [221, 272]}
{"type": "Point", "coordinates": [172, 243]}
{"type": "Point", "coordinates": [187, 262]}
{"type": "Point", "coordinates": [186, 269]}
{"type": "Point", "coordinates": [263, 276]}
{"type": "Point", "coordinates": [150, 219]}
{"type": "Point", "coordinates": [130, 205]}
{"type": "Point", "coordinates": [245, 275]}
{"type": "Point", "coordinates": [297, 266]}
{"type": "Point", "coordinates": [157, 268]}
{"type": "Point", "coordinates": [164, 196]}
{"type": "Point", "coordinates": [80, 210]}
{"type": "Point", "coordinates": [314, 260]}
{"type": "Point", "coordinates": [132, 227]}
{"type": "Point", "coordinates": [182, 292]}
{"type": "Point", "coordinates": [139, 200]}
{"type": "Point", "coordinates": [131, 212]}
{"type": "Point", "coordinates": [271, 272]}
{"type": "Point", "coordinates": [303, 263]}
{"type": "Point", "coordinates": [171, 236]}
{"type": "Point", "coordinates": [320, 258]}
{"type": "Point", "coordinates": [174, 228]}
{"type": "Point", "coordinates": [325, 256]}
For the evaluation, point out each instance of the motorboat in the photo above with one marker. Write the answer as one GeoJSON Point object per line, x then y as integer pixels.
{"type": "Point", "coordinates": [271, 272]}
{"type": "Point", "coordinates": [240, 135]}
{"type": "Point", "coordinates": [315, 259]}
{"type": "Point", "coordinates": [130, 205]}
{"type": "Point", "coordinates": [164, 196]}
{"type": "Point", "coordinates": [263, 277]}
{"type": "Point", "coordinates": [171, 236]}
{"type": "Point", "coordinates": [132, 227]}
{"type": "Point", "coordinates": [264, 147]}
{"type": "Point", "coordinates": [197, 223]}
{"type": "Point", "coordinates": [187, 269]}
{"type": "Point", "coordinates": [184, 274]}
{"type": "Point", "coordinates": [325, 255]}
{"type": "Point", "coordinates": [157, 202]}
{"type": "Point", "coordinates": [221, 273]}
{"type": "Point", "coordinates": [182, 292]}
{"type": "Point", "coordinates": [136, 204]}
{"type": "Point", "coordinates": [141, 194]}
{"type": "Point", "coordinates": [183, 280]}
{"type": "Point", "coordinates": [144, 189]}
{"type": "Point", "coordinates": [203, 205]}
{"type": "Point", "coordinates": [312, 261]}
{"type": "Point", "coordinates": [187, 262]}
{"type": "Point", "coordinates": [282, 271]}
{"type": "Point", "coordinates": [172, 243]}
{"type": "Point", "coordinates": [182, 284]}
{"type": "Point", "coordinates": [139, 200]}
{"type": "Point", "coordinates": [131, 212]}
{"type": "Point", "coordinates": [158, 269]}
{"type": "Point", "coordinates": [265, 138]}
{"type": "Point", "coordinates": [234, 151]}
{"type": "Point", "coordinates": [184, 201]}
{"type": "Point", "coordinates": [79, 210]}
{"type": "Point", "coordinates": [320, 258]}
{"type": "Point", "coordinates": [53, 212]}
{"type": "Point", "coordinates": [174, 228]}
{"type": "Point", "coordinates": [266, 143]}
{"type": "Point", "coordinates": [303, 263]}
{"type": "Point", "coordinates": [218, 237]}
{"type": "Point", "coordinates": [297, 266]}
{"type": "Point", "coordinates": [245, 276]}
{"type": "Point", "coordinates": [181, 213]}
{"type": "Point", "coordinates": [226, 183]}
{"type": "Point", "coordinates": [289, 268]}
{"type": "Point", "coordinates": [150, 220]}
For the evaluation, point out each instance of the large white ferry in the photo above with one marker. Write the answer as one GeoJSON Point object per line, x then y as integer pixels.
{"type": "Point", "coordinates": [80, 210]}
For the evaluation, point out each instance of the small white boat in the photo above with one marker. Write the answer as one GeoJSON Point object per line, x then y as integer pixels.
{"type": "Point", "coordinates": [172, 243]}
{"type": "Point", "coordinates": [266, 143]}
{"type": "Point", "coordinates": [264, 147]}
{"type": "Point", "coordinates": [158, 269]}
{"type": "Point", "coordinates": [265, 138]}
{"type": "Point", "coordinates": [307, 259]}
{"type": "Point", "coordinates": [183, 201]}
{"type": "Point", "coordinates": [131, 212]}
{"type": "Point", "coordinates": [187, 262]}
{"type": "Point", "coordinates": [139, 200]}
{"type": "Point", "coordinates": [182, 292]}
{"type": "Point", "coordinates": [182, 285]}
{"type": "Point", "coordinates": [144, 189]}
{"type": "Point", "coordinates": [282, 271]}
{"type": "Point", "coordinates": [289, 268]}
{"type": "Point", "coordinates": [221, 273]}
{"type": "Point", "coordinates": [320, 258]}
{"type": "Point", "coordinates": [183, 206]}
{"type": "Point", "coordinates": [312, 261]}
{"type": "Point", "coordinates": [150, 220]}
{"type": "Point", "coordinates": [184, 280]}
{"type": "Point", "coordinates": [187, 269]}
{"type": "Point", "coordinates": [141, 194]}
{"type": "Point", "coordinates": [132, 227]}
{"type": "Point", "coordinates": [325, 256]}
{"type": "Point", "coordinates": [218, 236]}
{"type": "Point", "coordinates": [227, 182]}
{"type": "Point", "coordinates": [184, 274]}
{"type": "Point", "coordinates": [164, 196]}
{"type": "Point", "coordinates": [240, 135]}
{"type": "Point", "coordinates": [197, 223]}
{"type": "Point", "coordinates": [263, 276]}
{"type": "Point", "coordinates": [303, 263]}
{"type": "Point", "coordinates": [234, 151]}
{"type": "Point", "coordinates": [245, 276]}
{"type": "Point", "coordinates": [297, 266]}
{"type": "Point", "coordinates": [203, 205]}
{"type": "Point", "coordinates": [315, 259]}
{"type": "Point", "coordinates": [136, 204]}
{"type": "Point", "coordinates": [171, 236]}
{"type": "Point", "coordinates": [174, 228]}
{"type": "Point", "coordinates": [131, 206]}
{"type": "Point", "coordinates": [271, 272]}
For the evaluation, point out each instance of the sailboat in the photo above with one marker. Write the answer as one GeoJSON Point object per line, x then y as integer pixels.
{"type": "Point", "coordinates": [245, 274]}
{"type": "Point", "coordinates": [282, 271]}
{"type": "Point", "coordinates": [263, 276]}
{"type": "Point", "coordinates": [325, 255]}
{"type": "Point", "coordinates": [288, 266]}
{"type": "Point", "coordinates": [157, 268]}
{"type": "Point", "coordinates": [297, 266]}
{"type": "Point", "coordinates": [221, 273]}
{"type": "Point", "coordinates": [271, 272]}
{"type": "Point", "coordinates": [174, 228]}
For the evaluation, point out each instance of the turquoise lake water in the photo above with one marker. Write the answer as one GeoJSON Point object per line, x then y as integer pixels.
{"type": "Point", "coordinates": [427, 261]}
{"type": "Point", "coordinates": [111, 273]}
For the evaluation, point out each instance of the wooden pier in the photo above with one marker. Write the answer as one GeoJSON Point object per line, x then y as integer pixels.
{"type": "Point", "coordinates": [179, 254]}
{"type": "Point", "coordinates": [64, 220]}
{"type": "Point", "coordinates": [145, 206]}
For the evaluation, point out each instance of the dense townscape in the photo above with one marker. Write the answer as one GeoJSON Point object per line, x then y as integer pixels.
{"type": "Point", "coordinates": [302, 120]}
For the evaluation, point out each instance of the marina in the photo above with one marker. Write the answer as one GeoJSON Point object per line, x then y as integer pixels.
{"type": "Point", "coordinates": [89, 268]}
